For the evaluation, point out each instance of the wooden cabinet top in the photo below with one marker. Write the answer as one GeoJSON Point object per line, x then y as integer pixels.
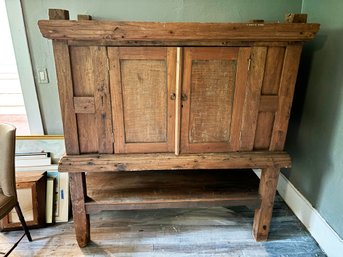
{"type": "Point", "coordinates": [174, 33]}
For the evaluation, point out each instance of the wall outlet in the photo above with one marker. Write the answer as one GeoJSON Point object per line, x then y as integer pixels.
{"type": "Point", "coordinates": [42, 74]}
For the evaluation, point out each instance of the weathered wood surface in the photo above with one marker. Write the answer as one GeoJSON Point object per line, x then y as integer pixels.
{"type": "Point", "coordinates": [176, 32]}
{"type": "Point", "coordinates": [132, 162]}
{"type": "Point", "coordinates": [142, 80]}
{"type": "Point", "coordinates": [263, 215]}
{"type": "Point", "coordinates": [66, 94]}
{"type": "Point", "coordinates": [172, 189]}
{"type": "Point", "coordinates": [78, 194]}
{"type": "Point", "coordinates": [215, 232]}
{"type": "Point", "coordinates": [207, 102]}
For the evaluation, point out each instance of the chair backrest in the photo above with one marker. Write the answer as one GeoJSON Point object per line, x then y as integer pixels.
{"type": "Point", "coordinates": [7, 155]}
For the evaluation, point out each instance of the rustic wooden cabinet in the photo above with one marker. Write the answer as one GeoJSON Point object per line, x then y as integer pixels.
{"type": "Point", "coordinates": [143, 96]}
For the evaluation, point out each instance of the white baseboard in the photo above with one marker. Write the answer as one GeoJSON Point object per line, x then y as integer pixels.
{"type": "Point", "coordinates": [320, 230]}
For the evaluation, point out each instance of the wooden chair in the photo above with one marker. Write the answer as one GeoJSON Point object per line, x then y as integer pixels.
{"type": "Point", "coordinates": [8, 193]}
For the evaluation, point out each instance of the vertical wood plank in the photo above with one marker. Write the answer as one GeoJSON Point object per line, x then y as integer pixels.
{"type": "Point", "coordinates": [239, 96]}
{"type": "Point", "coordinates": [78, 194]}
{"type": "Point", "coordinates": [83, 78]}
{"type": "Point", "coordinates": [263, 130]}
{"type": "Point", "coordinates": [263, 215]}
{"type": "Point", "coordinates": [271, 82]}
{"type": "Point", "coordinates": [272, 74]}
{"type": "Point", "coordinates": [286, 91]}
{"type": "Point", "coordinates": [66, 94]}
{"type": "Point", "coordinates": [185, 105]}
{"type": "Point", "coordinates": [117, 104]}
{"type": "Point", "coordinates": [172, 104]}
{"type": "Point", "coordinates": [252, 98]}
{"type": "Point", "coordinates": [102, 100]}
{"type": "Point", "coordinates": [178, 85]}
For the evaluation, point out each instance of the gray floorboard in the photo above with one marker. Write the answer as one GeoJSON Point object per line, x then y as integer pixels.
{"type": "Point", "coordinates": [172, 232]}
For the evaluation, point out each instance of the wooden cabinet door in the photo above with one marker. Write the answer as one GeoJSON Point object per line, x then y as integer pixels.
{"type": "Point", "coordinates": [143, 98]}
{"type": "Point", "coordinates": [213, 91]}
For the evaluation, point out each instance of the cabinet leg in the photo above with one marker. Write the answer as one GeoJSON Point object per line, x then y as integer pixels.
{"type": "Point", "coordinates": [263, 215]}
{"type": "Point", "coordinates": [78, 193]}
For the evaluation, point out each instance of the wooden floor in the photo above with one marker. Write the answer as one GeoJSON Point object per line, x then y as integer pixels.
{"type": "Point", "coordinates": [172, 232]}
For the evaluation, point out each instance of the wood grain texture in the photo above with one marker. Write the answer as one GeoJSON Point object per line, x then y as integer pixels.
{"type": "Point", "coordinates": [264, 129]}
{"type": "Point", "coordinates": [286, 91]}
{"type": "Point", "coordinates": [58, 14]}
{"type": "Point", "coordinates": [91, 80]}
{"type": "Point", "coordinates": [83, 86]}
{"type": "Point", "coordinates": [252, 98]}
{"type": "Point", "coordinates": [176, 32]}
{"type": "Point", "coordinates": [214, 232]}
{"type": "Point", "coordinates": [239, 97]}
{"type": "Point", "coordinates": [78, 194]}
{"type": "Point", "coordinates": [84, 17]}
{"type": "Point", "coordinates": [263, 215]}
{"type": "Point", "coordinates": [273, 68]}
{"type": "Point", "coordinates": [66, 94]}
{"type": "Point", "coordinates": [165, 161]}
{"type": "Point", "coordinates": [84, 104]}
{"type": "Point", "coordinates": [268, 103]}
{"type": "Point", "coordinates": [172, 189]}
{"type": "Point", "coordinates": [102, 98]}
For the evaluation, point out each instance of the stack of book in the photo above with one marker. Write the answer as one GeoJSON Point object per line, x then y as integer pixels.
{"type": "Point", "coordinates": [57, 188]}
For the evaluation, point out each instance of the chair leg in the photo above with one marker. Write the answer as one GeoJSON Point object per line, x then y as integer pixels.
{"type": "Point", "coordinates": [23, 223]}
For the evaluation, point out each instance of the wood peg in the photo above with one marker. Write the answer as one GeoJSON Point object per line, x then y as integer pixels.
{"type": "Point", "coordinates": [84, 17]}
{"type": "Point", "coordinates": [58, 14]}
{"type": "Point", "coordinates": [296, 18]}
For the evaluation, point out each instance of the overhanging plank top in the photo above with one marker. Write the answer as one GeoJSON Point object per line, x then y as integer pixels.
{"type": "Point", "coordinates": [176, 32]}
{"type": "Point", "coordinates": [135, 162]}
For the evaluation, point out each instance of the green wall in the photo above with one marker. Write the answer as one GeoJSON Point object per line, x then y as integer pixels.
{"type": "Point", "coordinates": [315, 138]}
{"type": "Point", "coordinates": [134, 10]}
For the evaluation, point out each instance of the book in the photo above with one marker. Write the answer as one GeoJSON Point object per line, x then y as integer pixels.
{"type": "Point", "coordinates": [28, 162]}
{"type": "Point", "coordinates": [61, 195]}
{"type": "Point", "coordinates": [51, 167]}
{"type": "Point", "coordinates": [49, 200]}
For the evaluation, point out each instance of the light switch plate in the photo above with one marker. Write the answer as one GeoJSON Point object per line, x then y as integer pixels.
{"type": "Point", "coordinates": [42, 74]}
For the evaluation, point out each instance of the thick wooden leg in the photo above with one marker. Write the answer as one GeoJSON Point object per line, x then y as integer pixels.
{"type": "Point", "coordinates": [22, 221]}
{"type": "Point", "coordinates": [78, 193]}
{"type": "Point", "coordinates": [263, 215]}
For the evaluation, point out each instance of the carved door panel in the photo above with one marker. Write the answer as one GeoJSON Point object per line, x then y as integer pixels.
{"type": "Point", "coordinates": [143, 104]}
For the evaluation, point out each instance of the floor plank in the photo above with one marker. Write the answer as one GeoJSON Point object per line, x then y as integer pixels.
{"type": "Point", "coordinates": [172, 232]}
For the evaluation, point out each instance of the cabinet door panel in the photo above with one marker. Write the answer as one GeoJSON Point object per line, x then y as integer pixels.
{"type": "Point", "coordinates": [142, 81]}
{"type": "Point", "coordinates": [208, 89]}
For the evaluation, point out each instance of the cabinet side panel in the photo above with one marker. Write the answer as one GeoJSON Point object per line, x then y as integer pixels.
{"type": "Point", "coordinates": [66, 94]}
{"type": "Point", "coordinates": [270, 87]}
{"type": "Point", "coordinates": [92, 98]}
{"type": "Point", "coordinates": [286, 91]}
{"type": "Point", "coordinates": [252, 98]}
{"type": "Point", "coordinates": [83, 78]}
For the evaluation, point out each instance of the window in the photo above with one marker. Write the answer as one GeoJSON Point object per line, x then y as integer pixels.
{"type": "Point", "coordinates": [18, 101]}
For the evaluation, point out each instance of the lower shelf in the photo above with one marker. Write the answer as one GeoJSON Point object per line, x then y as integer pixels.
{"type": "Point", "coordinates": [171, 189]}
